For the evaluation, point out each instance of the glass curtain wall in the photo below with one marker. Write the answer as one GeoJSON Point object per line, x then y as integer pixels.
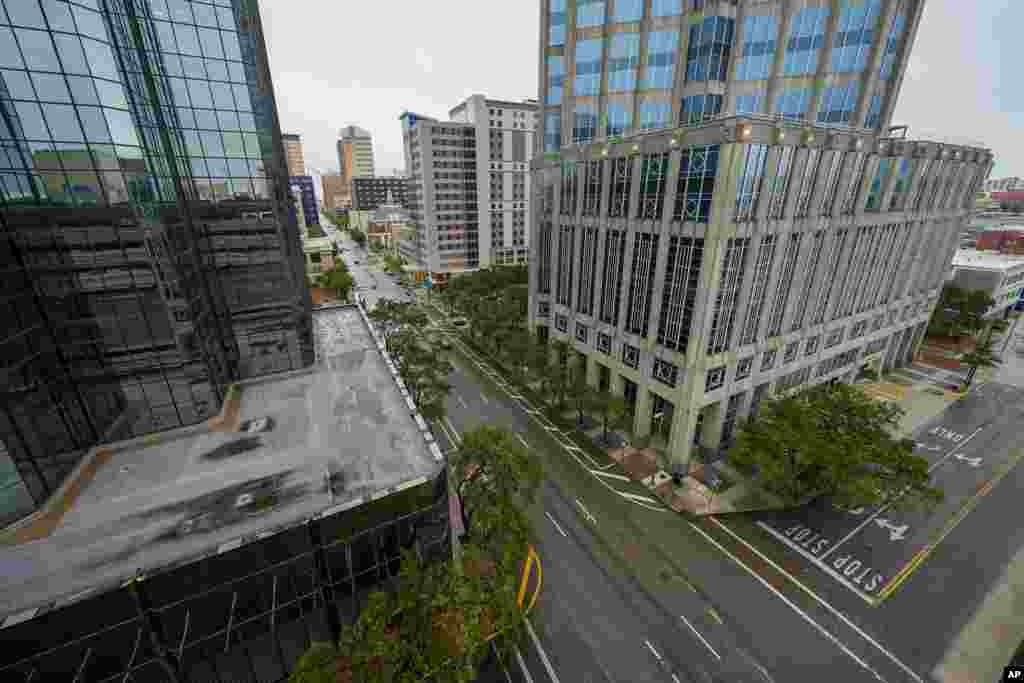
{"type": "Point", "coordinates": [149, 256]}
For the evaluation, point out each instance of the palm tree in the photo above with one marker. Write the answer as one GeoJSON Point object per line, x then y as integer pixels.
{"type": "Point", "coordinates": [983, 356]}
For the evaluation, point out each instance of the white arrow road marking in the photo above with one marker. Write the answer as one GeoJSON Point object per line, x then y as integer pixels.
{"type": "Point", "coordinates": [697, 633]}
{"type": "Point", "coordinates": [461, 400]}
{"type": "Point", "coordinates": [973, 462]}
{"type": "Point", "coordinates": [557, 526]}
{"type": "Point", "coordinates": [896, 532]}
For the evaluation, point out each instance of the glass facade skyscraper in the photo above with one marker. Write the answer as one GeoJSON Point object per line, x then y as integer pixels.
{"type": "Point", "coordinates": [149, 248]}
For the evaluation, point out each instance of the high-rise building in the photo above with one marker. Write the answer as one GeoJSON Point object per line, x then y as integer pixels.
{"type": "Point", "coordinates": [468, 186]}
{"type": "Point", "coordinates": [723, 213]}
{"type": "Point", "coordinates": [355, 153]}
{"type": "Point", "coordinates": [150, 254]}
{"type": "Point", "coordinates": [1012, 184]}
{"type": "Point", "coordinates": [336, 193]}
{"type": "Point", "coordinates": [293, 154]}
{"type": "Point", "coordinates": [503, 175]}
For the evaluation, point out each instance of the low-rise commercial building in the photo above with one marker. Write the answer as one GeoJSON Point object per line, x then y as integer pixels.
{"type": "Point", "coordinates": [1001, 276]}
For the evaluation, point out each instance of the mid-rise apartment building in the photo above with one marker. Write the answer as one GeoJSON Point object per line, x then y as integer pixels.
{"type": "Point", "coordinates": [740, 223]}
{"type": "Point", "coordinates": [469, 186]}
{"type": "Point", "coordinates": [293, 154]}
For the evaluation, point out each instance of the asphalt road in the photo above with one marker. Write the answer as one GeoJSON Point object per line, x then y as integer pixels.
{"type": "Point", "coordinates": [583, 596]}
{"type": "Point", "coordinates": [372, 283]}
{"type": "Point", "coordinates": [865, 549]}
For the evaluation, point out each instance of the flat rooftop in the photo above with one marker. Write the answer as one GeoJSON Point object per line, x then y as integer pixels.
{"type": "Point", "coordinates": [986, 260]}
{"type": "Point", "coordinates": [322, 439]}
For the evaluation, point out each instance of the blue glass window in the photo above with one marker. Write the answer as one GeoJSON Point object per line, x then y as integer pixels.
{"type": "Point", "coordinates": [698, 108]}
{"type": "Point", "coordinates": [854, 35]}
{"type": "Point", "coordinates": [874, 117]}
{"type": "Point", "coordinates": [748, 187]}
{"type": "Point", "coordinates": [807, 36]}
{"type": "Point", "coordinates": [707, 54]}
{"type": "Point", "coordinates": [628, 10]}
{"type": "Point", "coordinates": [662, 47]}
{"type": "Point", "coordinates": [874, 199]}
{"type": "Point", "coordinates": [623, 60]}
{"type": "Point", "coordinates": [19, 87]}
{"type": "Point", "coordinates": [588, 67]}
{"type": "Point", "coordinates": [584, 126]}
{"type": "Point", "coordinates": [619, 118]}
{"type": "Point", "coordinates": [589, 13]}
{"type": "Point", "coordinates": [892, 46]}
{"type": "Point", "coordinates": [556, 27]}
{"type": "Point", "coordinates": [750, 104]}
{"type": "Point", "coordinates": [698, 168]}
{"type": "Point", "coordinates": [758, 48]}
{"type": "Point", "coordinates": [666, 8]}
{"type": "Point", "coordinates": [556, 79]}
{"type": "Point", "coordinates": [900, 187]}
{"type": "Point", "coordinates": [794, 103]}
{"type": "Point", "coordinates": [655, 115]}
{"type": "Point", "coordinates": [838, 103]}
{"type": "Point", "coordinates": [38, 49]}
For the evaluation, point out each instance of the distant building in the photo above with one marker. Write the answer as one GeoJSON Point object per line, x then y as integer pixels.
{"type": "Point", "coordinates": [319, 256]}
{"type": "Point", "coordinates": [1006, 239]}
{"type": "Point", "coordinates": [369, 193]}
{"type": "Point", "coordinates": [355, 153]}
{"type": "Point", "coordinates": [468, 186]}
{"type": "Point", "coordinates": [999, 275]}
{"type": "Point", "coordinates": [337, 194]}
{"type": "Point", "coordinates": [387, 224]}
{"type": "Point", "coordinates": [293, 154]}
{"type": "Point", "coordinates": [1012, 184]}
{"type": "Point", "coordinates": [309, 206]}
{"type": "Point", "coordinates": [1009, 201]}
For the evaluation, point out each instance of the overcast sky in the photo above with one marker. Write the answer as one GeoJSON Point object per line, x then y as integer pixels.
{"type": "Point", "coordinates": [363, 62]}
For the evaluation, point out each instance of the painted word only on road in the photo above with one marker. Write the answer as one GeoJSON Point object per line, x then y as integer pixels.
{"type": "Point", "coordinates": [948, 434]}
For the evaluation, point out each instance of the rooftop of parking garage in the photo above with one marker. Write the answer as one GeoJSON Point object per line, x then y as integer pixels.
{"type": "Point", "coordinates": [286, 448]}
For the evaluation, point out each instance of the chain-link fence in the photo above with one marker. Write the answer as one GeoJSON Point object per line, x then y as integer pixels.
{"type": "Point", "coordinates": [240, 616]}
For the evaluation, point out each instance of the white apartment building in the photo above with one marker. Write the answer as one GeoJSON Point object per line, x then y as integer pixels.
{"type": "Point", "coordinates": [469, 186]}
{"type": "Point", "coordinates": [999, 275]}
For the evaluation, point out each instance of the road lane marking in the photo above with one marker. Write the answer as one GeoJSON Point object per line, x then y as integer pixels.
{"type": "Point", "coordinates": [697, 633]}
{"type": "Point", "coordinates": [586, 512]}
{"type": "Point", "coordinates": [557, 526]}
{"type": "Point", "coordinates": [636, 496]}
{"type": "Point", "coordinates": [454, 431]}
{"type": "Point", "coordinates": [612, 475]}
{"type": "Point", "coordinates": [819, 600]}
{"type": "Point", "coordinates": [653, 651]}
{"type": "Point", "coordinates": [484, 398]}
{"type": "Point", "coordinates": [959, 445]}
{"type": "Point", "coordinates": [821, 629]}
{"type": "Point", "coordinates": [522, 665]}
{"type": "Point", "coordinates": [540, 651]}
{"type": "Point", "coordinates": [461, 400]}
{"type": "Point", "coordinates": [522, 440]}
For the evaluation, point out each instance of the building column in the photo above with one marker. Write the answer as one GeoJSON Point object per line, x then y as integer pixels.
{"type": "Point", "coordinates": [642, 416]}
{"type": "Point", "coordinates": [870, 78]}
{"type": "Point", "coordinates": [824, 59]}
{"type": "Point", "coordinates": [656, 292]}
{"type": "Point", "coordinates": [711, 430]}
{"type": "Point", "coordinates": [680, 442]}
{"type": "Point", "coordinates": [775, 78]}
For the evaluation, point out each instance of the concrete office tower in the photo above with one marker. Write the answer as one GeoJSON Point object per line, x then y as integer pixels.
{"type": "Point", "coordinates": [355, 153]}
{"type": "Point", "coordinates": [149, 256]}
{"type": "Point", "coordinates": [711, 260]}
{"type": "Point", "coordinates": [293, 154]}
{"type": "Point", "coordinates": [504, 139]}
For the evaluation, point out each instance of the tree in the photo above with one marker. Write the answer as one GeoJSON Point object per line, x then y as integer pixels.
{"type": "Point", "coordinates": [492, 470]}
{"type": "Point", "coordinates": [581, 395]}
{"type": "Point", "coordinates": [983, 356]}
{"type": "Point", "coordinates": [615, 411]}
{"type": "Point", "coordinates": [960, 311]}
{"type": "Point", "coordinates": [556, 379]}
{"type": "Point", "coordinates": [832, 440]}
{"type": "Point", "coordinates": [338, 279]}
{"type": "Point", "coordinates": [516, 348]}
